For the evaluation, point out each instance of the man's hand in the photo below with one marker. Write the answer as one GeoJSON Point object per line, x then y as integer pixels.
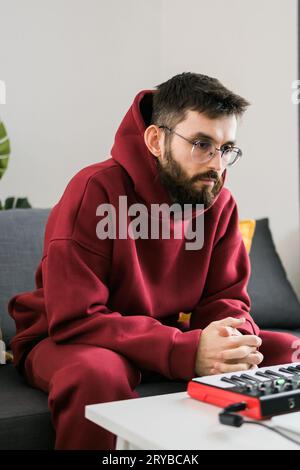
{"type": "Point", "coordinates": [222, 348]}
{"type": "Point", "coordinates": [229, 357]}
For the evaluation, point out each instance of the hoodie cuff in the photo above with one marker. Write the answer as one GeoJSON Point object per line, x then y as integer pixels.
{"type": "Point", "coordinates": [183, 355]}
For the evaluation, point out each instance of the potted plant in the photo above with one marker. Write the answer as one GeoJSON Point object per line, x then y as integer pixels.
{"type": "Point", "coordinates": [10, 202]}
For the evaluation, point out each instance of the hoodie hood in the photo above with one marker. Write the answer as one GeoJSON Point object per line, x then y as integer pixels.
{"type": "Point", "coordinates": [130, 151]}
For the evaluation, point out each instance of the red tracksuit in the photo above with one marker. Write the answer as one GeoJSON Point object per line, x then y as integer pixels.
{"type": "Point", "coordinates": [103, 310]}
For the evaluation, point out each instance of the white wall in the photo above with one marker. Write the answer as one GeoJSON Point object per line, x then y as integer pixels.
{"type": "Point", "coordinates": [72, 68]}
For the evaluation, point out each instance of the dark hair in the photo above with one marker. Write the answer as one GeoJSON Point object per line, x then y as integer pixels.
{"type": "Point", "coordinates": [197, 92]}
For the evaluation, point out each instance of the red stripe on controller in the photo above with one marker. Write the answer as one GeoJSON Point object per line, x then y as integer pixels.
{"type": "Point", "coordinates": [222, 398]}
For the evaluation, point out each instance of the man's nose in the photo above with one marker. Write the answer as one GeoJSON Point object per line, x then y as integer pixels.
{"type": "Point", "coordinates": [215, 163]}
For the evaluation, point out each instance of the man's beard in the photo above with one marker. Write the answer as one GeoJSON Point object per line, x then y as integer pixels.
{"type": "Point", "coordinates": [181, 187]}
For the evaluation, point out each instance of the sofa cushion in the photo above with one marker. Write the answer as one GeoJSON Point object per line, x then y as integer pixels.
{"type": "Point", "coordinates": [25, 421]}
{"type": "Point", "coordinates": [21, 241]}
{"type": "Point", "coordinates": [274, 302]}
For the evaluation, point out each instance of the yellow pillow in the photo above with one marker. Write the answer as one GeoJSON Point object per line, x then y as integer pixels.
{"type": "Point", "coordinates": [247, 228]}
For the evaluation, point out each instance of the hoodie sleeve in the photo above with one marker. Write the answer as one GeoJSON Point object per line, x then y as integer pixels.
{"type": "Point", "coordinates": [76, 296]}
{"type": "Point", "coordinates": [225, 293]}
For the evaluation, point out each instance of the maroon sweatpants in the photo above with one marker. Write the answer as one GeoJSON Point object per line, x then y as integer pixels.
{"type": "Point", "coordinates": [74, 376]}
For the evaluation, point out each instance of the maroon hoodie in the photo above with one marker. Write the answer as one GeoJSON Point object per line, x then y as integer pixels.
{"type": "Point", "coordinates": [126, 294]}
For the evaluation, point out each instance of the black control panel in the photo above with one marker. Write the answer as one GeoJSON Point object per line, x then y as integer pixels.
{"type": "Point", "coordinates": [268, 382]}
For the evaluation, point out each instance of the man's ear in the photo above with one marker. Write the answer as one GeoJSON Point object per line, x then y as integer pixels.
{"type": "Point", "coordinates": [153, 140]}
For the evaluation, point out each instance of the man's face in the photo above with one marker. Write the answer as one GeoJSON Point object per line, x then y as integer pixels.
{"type": "Point", "coordinates": [182, 176]}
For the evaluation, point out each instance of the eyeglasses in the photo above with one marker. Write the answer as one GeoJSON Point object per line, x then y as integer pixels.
{"type": "Point", "coordinates": [204, 150]}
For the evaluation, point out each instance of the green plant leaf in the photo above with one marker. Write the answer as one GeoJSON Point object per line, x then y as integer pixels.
{"type": "Point", "coordinates": [3, 164]}
{"type": "Point", "coordinates": [16, 203]}
{"type": "Point", "coordinates": [3, 133]}
{"type": "Point", "coordinates": [22, 203]}
{"type": "Point", "coordinates": [9, 203]}
{"type": "Point", "coordinates": [4, 149]}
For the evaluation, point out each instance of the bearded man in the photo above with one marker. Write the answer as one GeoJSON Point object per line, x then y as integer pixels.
{"type": "Point", "coordinates": [104, 314]}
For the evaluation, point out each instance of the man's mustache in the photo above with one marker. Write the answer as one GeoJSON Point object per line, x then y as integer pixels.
{"type": "Point", "coordinates": [209, 175]}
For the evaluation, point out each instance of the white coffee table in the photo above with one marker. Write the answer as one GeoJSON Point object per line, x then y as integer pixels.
{"type": "Point", "coordinates": [175, 422]}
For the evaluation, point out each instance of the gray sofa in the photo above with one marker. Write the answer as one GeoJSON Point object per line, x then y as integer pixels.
{"type": "Point", "coordinates": [25, 421]}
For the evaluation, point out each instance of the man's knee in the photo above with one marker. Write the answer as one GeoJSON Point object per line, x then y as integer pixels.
{"type": "Point", "coordinates": [101, 375]}
{"type": "Point", "coordinates": [279, 347]}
